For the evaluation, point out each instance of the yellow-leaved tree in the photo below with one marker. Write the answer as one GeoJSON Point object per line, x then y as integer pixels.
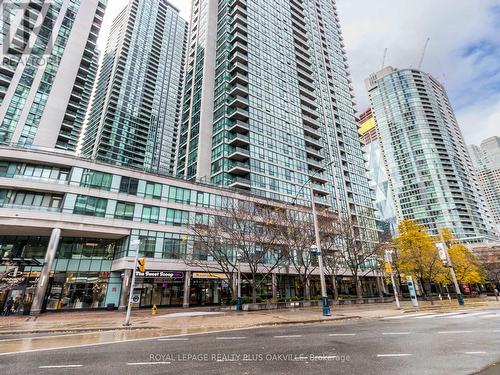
{"type": "Point", "coordinates": [417, 254]}
{"type": "Point", "coordinates": [467, 267]}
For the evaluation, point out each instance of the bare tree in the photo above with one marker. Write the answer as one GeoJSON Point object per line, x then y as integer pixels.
{"type": "Point", "coordinates": [250, 230]}
{"type": "Point", "coordinates": [298, 234]}
{"type": "Point", "coordinates": [359, 255]}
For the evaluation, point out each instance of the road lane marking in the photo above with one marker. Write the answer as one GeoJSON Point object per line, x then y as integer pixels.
{"type": "Point", "coordinates": [341, 334]}
{"type": "Point", "coordinates": [405, 316]}
{"type": "Point", "coordinates": [395, 355]}
{"type": "Point", "coordinates": [468, 315]}
{"type": "Point", "coordinates": [61, 366]}
{"type": "Point", "coordinates": [175, 339]}
{"type": "Point", "coordinates": [476, 352]}
{"type": "Point", "coordinates": [445, 332]}
{"type": "Point", "coordinates": [147, 363]}
{"type": "Point", "coordinates": [231, 338]}
{"type": "Point", "coordinates": [396, 333]}
{"type": "Point", "coordinates": [437, 315]}
{"type": "Point", "coordinates": [287, 336]}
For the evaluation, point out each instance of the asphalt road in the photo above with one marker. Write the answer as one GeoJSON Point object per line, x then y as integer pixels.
{"type": "Point", "coordinates": [421, 343]}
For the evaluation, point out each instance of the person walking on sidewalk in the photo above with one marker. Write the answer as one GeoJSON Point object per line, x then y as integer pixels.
{"type": "Point", "coordinates": [8, 307]}
{"type": "Point", "coordinates": [496, 294]}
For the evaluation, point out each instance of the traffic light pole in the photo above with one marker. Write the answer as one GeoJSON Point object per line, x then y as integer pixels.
{"type": "Point", "coordinates": [131, 293]}
{"type": "Point", "coordinates": [460, 297]}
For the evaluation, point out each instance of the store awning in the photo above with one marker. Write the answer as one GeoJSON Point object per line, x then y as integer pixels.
{"type": "Point", "coordinates": [19, 262]}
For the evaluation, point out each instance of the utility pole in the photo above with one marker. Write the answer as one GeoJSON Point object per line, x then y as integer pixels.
{"type": "Point", "coordinates": [238, 295]}
{"type": "Point", "coordinates": [132, 286]}
{"type": "Point", "coordinates": [388, 260]}
{"type": "Point", "coordinates": [324, 295]}
{"type": "Point", "coordinates": [445, 257]}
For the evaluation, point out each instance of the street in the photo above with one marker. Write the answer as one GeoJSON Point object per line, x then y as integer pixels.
{"type": "Point", "coordinates": [459, 342]}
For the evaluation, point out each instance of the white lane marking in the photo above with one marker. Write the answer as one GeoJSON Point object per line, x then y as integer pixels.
{"type": "Point", "coordinates": [405, 316]}
{"type": "Point", "coordinates": [341, 334]}
{"type": "Point", "coordinates": [491, 316]}
{"type": "Point", "coordinates": [468, 315]}
{"type": "Point", "coordinates": [147, 363]}
{"type": "Point", "coordinates": [437, 315]}
{"type": "Point", "coordinates": [53, 336]}
{"type": "Point", "coordinates": [287, 336]}
{"type": "Point", "coordinates": [445, 332]}
{"type": "Point", "coordinates": [61, 366]}
{"type": "Point", "coordinates": [476, 352]}
{"type": "Point", "coordinates": [175, 339]}
{"type": "Point", "coordinates": [396, 333]}
{"type": "Point", "coordinates": [395, 355]}
{"type": "Point", "coordinates": [231, 338]}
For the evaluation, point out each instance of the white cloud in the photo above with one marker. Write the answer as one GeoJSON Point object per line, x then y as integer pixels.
{"type": "Point", "coordinates": [453, 26]}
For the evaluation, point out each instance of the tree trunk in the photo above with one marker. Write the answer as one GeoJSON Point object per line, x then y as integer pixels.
{"type": "Point", "coordinates": [254, 293]}
{"type": "Point", "coordinates": [359, 287]}
{"type": "Point", "coordinates": [307, 289]}
{"type": "Point", "coordinates": [335, 291]}
{"type": "Point", "coordinates": [430, 292]}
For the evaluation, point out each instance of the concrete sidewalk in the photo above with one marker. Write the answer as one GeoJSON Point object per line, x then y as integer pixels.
{"type": "Point", "coordinates": [181, 321]}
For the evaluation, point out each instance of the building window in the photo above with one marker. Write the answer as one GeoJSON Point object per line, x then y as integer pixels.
{"type": "Point", "coordinates": [147, 246]}
{"type": "Point", "coordinates": [95, 179]}
{"type": "Point", "coordinates": [179, 195]}
{"type": "Point", "coordinates": [90, 206]}
{"type": "Point", "coordinates": [129, 185]}
{"type": "Point", "coordinates": [150, 214]}
{"type": "Point", "coordinates": [153, 190]}
{"type": "Point", "coordinates": [124, 211]}
{"type": "Point", "coordinates": [177, 218]}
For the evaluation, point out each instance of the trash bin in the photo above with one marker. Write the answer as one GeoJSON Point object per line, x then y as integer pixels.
{"type": "Point", "coordinates": [110, 306]}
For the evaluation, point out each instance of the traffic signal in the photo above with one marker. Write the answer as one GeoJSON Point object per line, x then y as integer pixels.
{"type": "Point", "coordinates": [141, 264]}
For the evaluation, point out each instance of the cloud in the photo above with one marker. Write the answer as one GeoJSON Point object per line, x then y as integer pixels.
{"type": "Point", "coordinates": [463, 53]}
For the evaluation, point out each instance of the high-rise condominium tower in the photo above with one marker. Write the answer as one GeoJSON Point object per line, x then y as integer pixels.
{"type": "Point", "coordinates": [486, 162]}
{"type": "Point", "coordinates": [430, 171]}
{"type": "Point", "coordinates": [47, 69]}
{"type": "Point", "coordinates": [135, 111]}
{"type": "Point", "coordinates": [268, 103]}
{"type": "Point", "coordinates": [385, 211]}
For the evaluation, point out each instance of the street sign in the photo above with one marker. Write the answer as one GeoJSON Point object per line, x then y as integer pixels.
{"type": "Point", "coordinates": [136, 298]}
{"type": "Point", "coordinates": [411, 288]}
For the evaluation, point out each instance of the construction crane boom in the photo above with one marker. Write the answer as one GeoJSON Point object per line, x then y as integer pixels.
{"type": "Point", "coordinates": [423, 53]}
{"type": "Point", "coordinates": [383, 59]}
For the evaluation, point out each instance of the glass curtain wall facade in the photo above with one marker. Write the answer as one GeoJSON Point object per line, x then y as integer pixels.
{"type": "Point", "coordinates": [282, 108]}
{"type": "Point", "coordinates": [429, 168]}
{"type": "Point", "coordinates": [47, 72]}
{"type": "Point", "coordinates": [135, 113]}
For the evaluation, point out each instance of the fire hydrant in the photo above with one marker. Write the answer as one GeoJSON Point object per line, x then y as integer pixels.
{"type": "Point", "coordinates": [153, 310]}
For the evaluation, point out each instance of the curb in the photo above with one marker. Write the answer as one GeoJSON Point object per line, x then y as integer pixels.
{"type": "Point", "coordinates": [90, 330]}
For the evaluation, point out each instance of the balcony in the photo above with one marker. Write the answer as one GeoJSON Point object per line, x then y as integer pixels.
{"type": "Point", "coordinates": [241, 183]}
{"type": "Point", "coordinates": [322, 201]}
{"type": "Point", "coordinates": [239, 127]}
{"type": "Point", "coordinates": [239, 168]}
{"type": "Point", "coordinates": [239, 29]}
{"type": "Point", "coordinates": [239, 37]}
{"type": "Point", "coordinates": [314, 153]}
{"type": "Point", "coordinates": [238, 102]}
{"type": "Point", "coordinates": [311, 132]}
{"type": "Point", "coordinates": [309, 121]}
{"type": "Point", "coordinates": [239, 18]}
{"type": "Point", "coordinates": [238, 57]}
{"type": "Point", "coordinates": [238, 90]}
{"type": "Point", "coordinates": [238, 114]}
{"type": "Point", "coordinates": [238, 10]}
{"type": "Point", "coordinates": [319, 177]}
{"type": "Point", "coordinates": [312, 142]}
{"type": "Point", "coordinates": [239, 47]}
{"type": "Point", "coordinates": [320, 189]}
{"type": "Point", "coordinates": [239, 154]}
{"type": "Point", "coordinates": [239, 78]}
{"type": "Point", "coordinates": [239, 67]}
{"type": "Point", "coordinates": [239, 140]}
{"type": "Point", "coordinates": [316, 164]}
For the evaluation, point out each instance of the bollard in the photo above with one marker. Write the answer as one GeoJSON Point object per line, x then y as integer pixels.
{"type": "Point", "coordinates": [153, 310]}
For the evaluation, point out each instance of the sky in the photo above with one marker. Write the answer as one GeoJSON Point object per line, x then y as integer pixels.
{"type": "Point", "coordinates": [463, 52]}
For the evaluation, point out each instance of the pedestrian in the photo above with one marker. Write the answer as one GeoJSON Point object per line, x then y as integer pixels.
{"type": "Point", "coordinates": [496, 294]}
{"type": "Point", "coordinates": [8, 307]}
{"type": "Point", "coordinates": [16, 305]}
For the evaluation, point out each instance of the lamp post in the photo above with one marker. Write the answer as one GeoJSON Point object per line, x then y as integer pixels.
{"type": "Point", "coordinates": [317, 248]}
{"type": "Point", "coordinates": [238, 282]}
{"type": "Point", "coordinates": [445, 257]}
{"type": "Point", "coordinates": [388, 260]}
{"type": "Point", "coordinates": [324, 295]}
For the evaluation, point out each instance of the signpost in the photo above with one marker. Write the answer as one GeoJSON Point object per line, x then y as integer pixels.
{"type": "Point", "coordinates": [388, 269]}
{"type": "Point", "coordinates": [444, 255]}
{"type": "Point", "coordinates": [411, 288]}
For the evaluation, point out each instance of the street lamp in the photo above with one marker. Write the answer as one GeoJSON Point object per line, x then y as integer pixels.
{"type": "Point", "coordinates": [388, 260]}
{"type": "Point", "coordinates": [445, 257]}
{"type": "Point", "coordinates": [317, 248]}
{"type": "Point", "coordinates": [238, 282]}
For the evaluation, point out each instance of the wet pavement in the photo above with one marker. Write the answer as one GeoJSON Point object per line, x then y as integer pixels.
{"type": "Point", "coordinates": [21, 334]}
